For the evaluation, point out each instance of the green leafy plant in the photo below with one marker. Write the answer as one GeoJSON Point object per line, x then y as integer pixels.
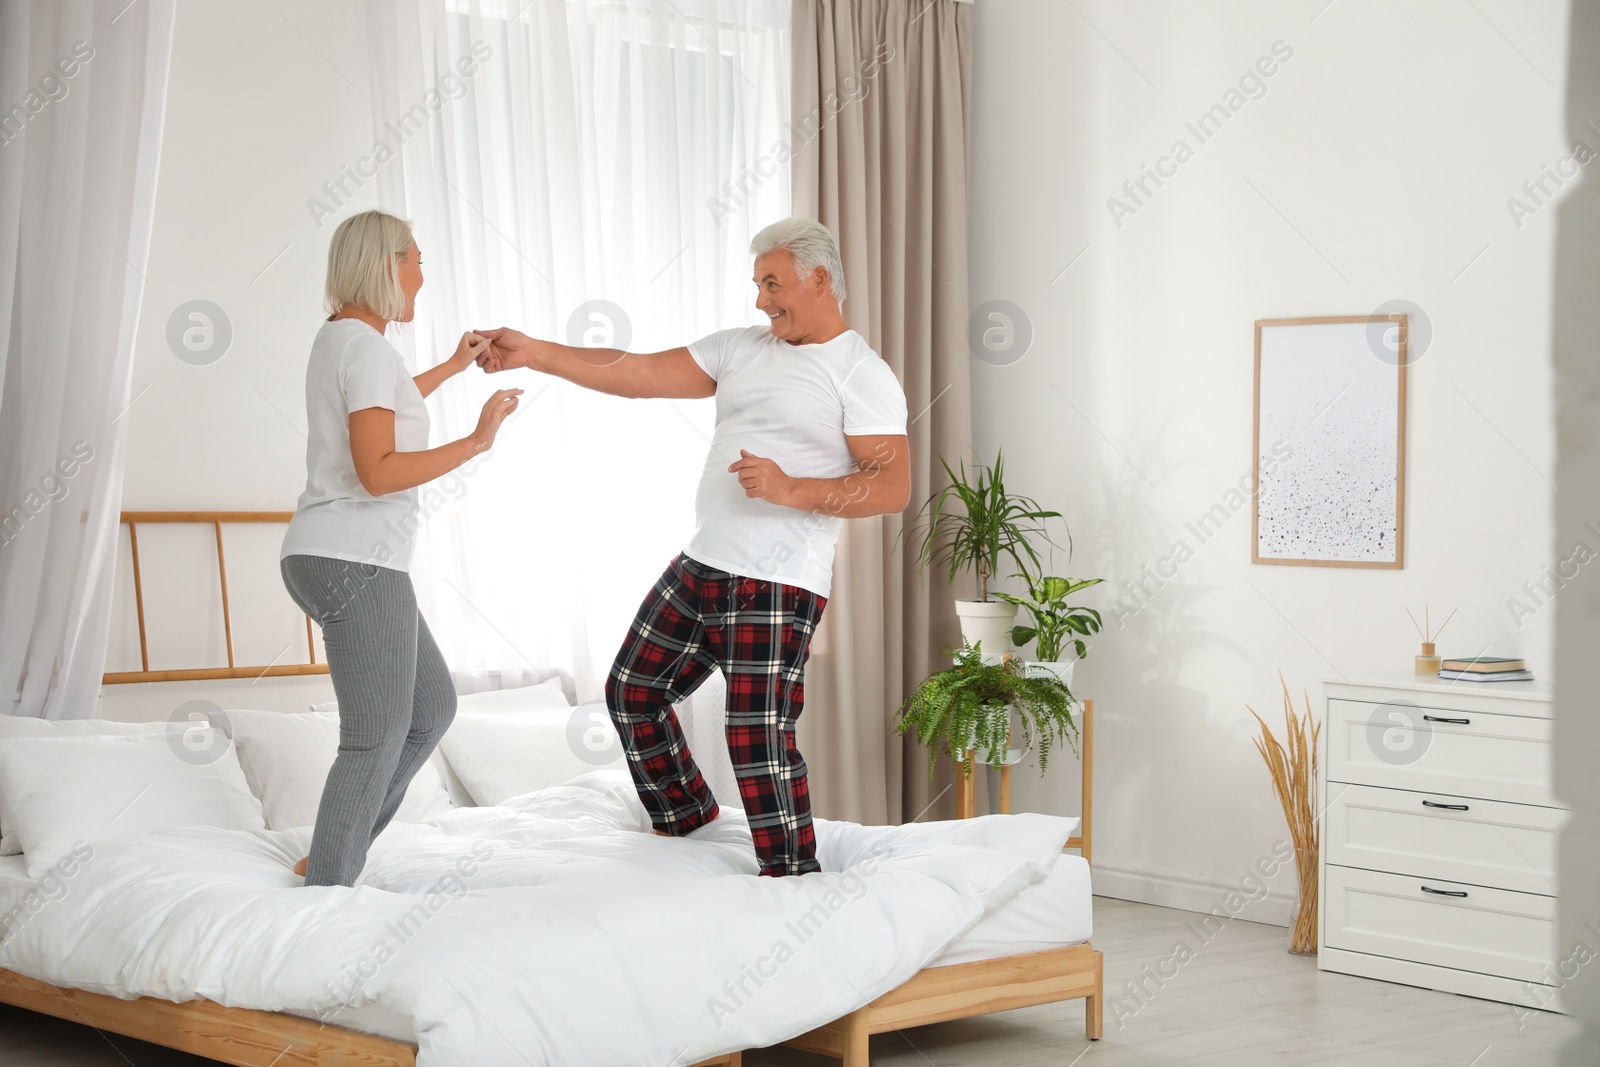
{"type": "Point", "coordinates": [972, 522]}
{"type": "Point", "coordinates": [968, 704]}
{"type": "Point", "coordinates": [1054, 620]}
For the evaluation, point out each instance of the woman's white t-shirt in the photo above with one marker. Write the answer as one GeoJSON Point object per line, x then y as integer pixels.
{"type": "Point", "coordinates": [792, 404]}
{"type": "Point", "coordinates": [353, 367]}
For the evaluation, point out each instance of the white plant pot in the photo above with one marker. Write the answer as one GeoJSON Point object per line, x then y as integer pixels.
{"type": "Point", "coordinates": [1061, 669]}
{"type": "Point", "coordinates": [989, 622]}
{"type": "Point", "coordinates": [1015, 753]}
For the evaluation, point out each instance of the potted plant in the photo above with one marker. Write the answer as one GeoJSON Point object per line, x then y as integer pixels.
{"type": "Point", "coordinates": [1058, 627]}
{"type": "Point", "coordinates": [968, 708]}
{"type": "Point", "coordinates": [973, 522]}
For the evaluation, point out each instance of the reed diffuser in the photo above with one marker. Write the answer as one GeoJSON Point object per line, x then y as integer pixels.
{"type": "Point", "coordinates": [1428, 662]}
{"type": "Point", "coordinates": [1294, 781]}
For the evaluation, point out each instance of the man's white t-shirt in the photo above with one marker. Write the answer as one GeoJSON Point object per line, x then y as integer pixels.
{"type": "Point", "coordinates": [353, 367]}
{"type": "Point", "coordinates": [794, 405]}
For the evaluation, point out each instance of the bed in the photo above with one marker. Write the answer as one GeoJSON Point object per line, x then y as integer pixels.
{"type": "Point", "coordinates": [1033, 947]}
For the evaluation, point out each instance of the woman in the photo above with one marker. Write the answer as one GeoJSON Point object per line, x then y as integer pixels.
{"type": "Point", "coordinates": [347, 550]}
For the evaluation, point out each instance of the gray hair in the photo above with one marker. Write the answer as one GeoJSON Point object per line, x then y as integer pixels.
{"type": "Point", "coordinates": [812, 246]}
{"type": "Point", "coordinates": [363, 264]}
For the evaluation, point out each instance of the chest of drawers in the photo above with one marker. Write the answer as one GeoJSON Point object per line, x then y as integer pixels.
{"type": "Point", "coordinates": [1439, 837]}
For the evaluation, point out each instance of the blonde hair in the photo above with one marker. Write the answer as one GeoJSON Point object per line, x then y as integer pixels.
{"type": "Point", "coordinates": [364, 264]}
{"type": "Point", "coordinates": [812, 246]}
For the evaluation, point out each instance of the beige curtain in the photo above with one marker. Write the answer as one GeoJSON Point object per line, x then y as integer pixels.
{"type": "Point", "coordinates": [881, 105]}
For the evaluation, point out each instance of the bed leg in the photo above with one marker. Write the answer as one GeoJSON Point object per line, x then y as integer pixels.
{"type": "Point", "coordinates": [856, 1040]}
{"type": "Point", "coordinates": [1094, 1004]}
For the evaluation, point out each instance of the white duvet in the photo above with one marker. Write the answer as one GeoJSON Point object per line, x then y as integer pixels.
{"type": "Point", "coordinates": [553, 930]}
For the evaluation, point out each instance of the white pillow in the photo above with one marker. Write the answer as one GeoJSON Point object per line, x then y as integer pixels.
{"type": "Point", "coordinates": [69, 791]}
{"type": "Point", "coordinates": [546, 694]}
{"type": "Point", "coordinates": [12, 726]}
{"type": "Point", "coordinates": [503, 754]}
{"type": "Point", "coordinates": [286, 758]}
{"type": "Point", "coordinates": [459, 797]}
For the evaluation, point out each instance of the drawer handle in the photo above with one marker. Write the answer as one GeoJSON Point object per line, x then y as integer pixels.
{"type": "Point", "coordinates": [1447, 807]}
{"type": "Point", "coordinates": [1444, 892]}
{"type": "Point", "coordinates": [1440, 718]}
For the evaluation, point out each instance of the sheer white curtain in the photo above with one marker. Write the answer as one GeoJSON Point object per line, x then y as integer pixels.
{"type": "Point", "coordinates": [82, 96]}
{"type": "Point", "coordinates": [553, 155]}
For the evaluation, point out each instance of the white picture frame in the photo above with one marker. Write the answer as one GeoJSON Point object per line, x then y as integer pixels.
{"type": "Point", "coordinates": [1329, 442]}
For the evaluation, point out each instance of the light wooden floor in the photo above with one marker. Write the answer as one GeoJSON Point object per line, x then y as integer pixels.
{"type": "Point", "coordinates": [1241, 1001]}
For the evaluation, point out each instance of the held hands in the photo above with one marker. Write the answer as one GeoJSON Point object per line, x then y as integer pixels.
{"type": "Point", "coordinates": [762, 478]}
{"type": "Point", "coordinates": [506, 350]}
{"type": "Point", "coordinates": [469, 351]}
{"type": "Point", "coordinates": [495, 411]}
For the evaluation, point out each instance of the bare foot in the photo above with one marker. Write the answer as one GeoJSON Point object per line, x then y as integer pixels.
{"type": "Point", "coordinates": [300, 868]}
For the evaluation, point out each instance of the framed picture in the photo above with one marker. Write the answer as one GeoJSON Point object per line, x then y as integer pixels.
{"type": "Point", "coordinates": [1330, 442]}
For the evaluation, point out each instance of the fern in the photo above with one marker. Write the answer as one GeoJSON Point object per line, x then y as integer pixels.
{"type": "Point", "coordinates": [964, 703]}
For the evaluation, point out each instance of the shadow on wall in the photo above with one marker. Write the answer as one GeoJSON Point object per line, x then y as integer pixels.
{"type": "Point", "coordinates": [1155, 626]}
{"type": "Point", "coordinates": [1153, 598]}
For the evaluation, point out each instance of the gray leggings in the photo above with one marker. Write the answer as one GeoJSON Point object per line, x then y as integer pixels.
{"type": "Point", "coordinates": [395, 702]}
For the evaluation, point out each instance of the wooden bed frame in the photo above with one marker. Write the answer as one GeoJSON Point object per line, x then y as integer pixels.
{"type": "Point", "coordinates": [982, 987]}
{"type": "Point", "coordinates": [247, 1038]}
{"type": "Point", "coordinates": [238, 1036]}
{"type": "Point", "coordinates": [962, 990]}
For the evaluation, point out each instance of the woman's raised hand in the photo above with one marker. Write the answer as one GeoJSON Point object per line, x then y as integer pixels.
{"type": "Point", "coordinates": [472, 346]}
{"type": "Point", "coordinates": [495, 411]}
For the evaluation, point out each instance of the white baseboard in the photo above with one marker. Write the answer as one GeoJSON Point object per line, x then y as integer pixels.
{"type": "Point", "coordinates": [1189, 894]}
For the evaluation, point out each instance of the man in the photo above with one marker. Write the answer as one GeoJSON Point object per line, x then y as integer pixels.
{"type": "Point", "coordinates": [811, 430]}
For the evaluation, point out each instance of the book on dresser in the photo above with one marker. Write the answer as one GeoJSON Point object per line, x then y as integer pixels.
{"type": "Point", "coordinates": [1482, 665]}
{"type": "Point", "coordinates": [1439, 839]}
{"type": "Point", "coordinates": [1485, 676]}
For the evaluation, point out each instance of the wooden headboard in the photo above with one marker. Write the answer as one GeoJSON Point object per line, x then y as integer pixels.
{"type": "Point", "coordinates": [217, 520]}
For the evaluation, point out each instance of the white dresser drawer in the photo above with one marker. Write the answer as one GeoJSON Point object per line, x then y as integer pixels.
{"type": "Point", "coordinates": [1472, 754]}
{"type": "Point", "coordinates": [1489, 931]}
{"type": "Point", "coordinates": [1436, 835]}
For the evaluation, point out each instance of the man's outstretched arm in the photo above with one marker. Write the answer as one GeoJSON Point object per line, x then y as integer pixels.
{"type": "Point", "coordinates": [880, 484]}
{"type": "Point", "coordinates": [672, 374]}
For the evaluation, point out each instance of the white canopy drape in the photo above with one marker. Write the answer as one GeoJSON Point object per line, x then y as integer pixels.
{"type": "Point", "coordinates": [82, 97]}
{"type": "Point", "coordinates": [588, 172]}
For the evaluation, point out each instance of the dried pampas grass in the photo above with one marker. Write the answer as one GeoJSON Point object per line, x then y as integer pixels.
{"type": "Point", "coordinates": [1294, 781]}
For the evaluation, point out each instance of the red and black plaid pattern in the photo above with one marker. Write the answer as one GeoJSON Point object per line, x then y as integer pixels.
{"type": "Point", "coordinates": [759, 633]}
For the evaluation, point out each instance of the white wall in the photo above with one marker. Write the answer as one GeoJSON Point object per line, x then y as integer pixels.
{"type": "Point", "coordinates": [266, 102]}
{"type": "Point", "coordinates": [1377, 166]}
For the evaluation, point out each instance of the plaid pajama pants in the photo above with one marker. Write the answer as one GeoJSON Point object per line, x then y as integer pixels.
{"type": "Point", "coordinates": [759, 633]}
